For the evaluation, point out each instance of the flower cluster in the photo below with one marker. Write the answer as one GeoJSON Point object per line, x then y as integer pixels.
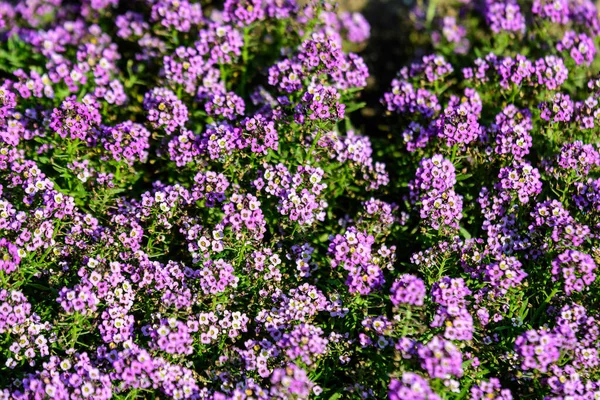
{"type": "Point", "coordinates": [75, 120]}
{"type": "Point", "coordinates": [205, 200]}
{"type": "Point", "coordinates": [354, 252]}
{"type": "Point", "coordinates": [299, 194]}
{"type": "Point", "coordinates": [576, 269]}
{"type": "Point", "coordinates": [580, 47]}
{"type": "Point", "coordinates": [408, 289]}
{"type": "Point", "coordinates": [452, 309]}
{"type": "Point", "coordinates": [411, 386]}
{"type": "Point", "coordinates": [504, 16]}
{"type": "Point", "coordinates": [10, 256]}
{"type": "Point", "coordinates": [127, 141]}
{"type": "Point", "coordinates": [165, 110]}
{"type": "Point", "coordinates": [441, 358]}
{"type": "Point", "coordinates": [511, 131]}
{"type": "Point", "coordinates": [440, 205]}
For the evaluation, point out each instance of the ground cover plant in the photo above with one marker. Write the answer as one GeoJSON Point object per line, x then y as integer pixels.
{"type": "Point", "coordinates": [190, 208]}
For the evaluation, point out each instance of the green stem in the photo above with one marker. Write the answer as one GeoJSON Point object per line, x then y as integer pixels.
{"type": "Point", "coordinates": [454, 149]}
{"type": "Point", "coordinates": [546, 301]}
{"type": "Point", "coordinates": [431, 12]}
{"type": "Point", "coordinates": [312, 147]}
{"type": "Point", "coordinates": [224, 73]}
{"type": "Point", "coordinates": [245, 59]}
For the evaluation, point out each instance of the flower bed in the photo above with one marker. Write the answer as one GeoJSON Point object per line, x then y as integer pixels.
{"type": "Point", "coordinates": [189, 208]}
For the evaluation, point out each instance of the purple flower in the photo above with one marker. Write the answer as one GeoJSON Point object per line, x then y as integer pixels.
{"type": "Point", "coordinates": [490, 389]}
{"type": "Point", "coordinates": [408, 289]}
{"type": "Point", "coordinates": [180, 15]}
{"type": "Point", "coordinates": [504, 16]}
{"type": "Point", "coordinates": [243, 12]}
{"type": "Point", "coordinates": [9, 256]}
{"type": "Point", "coordinates": [411, 387]}
{"type": "Point", "coordinates": [165, 110]}
{"type": "Point", "coordinates": [575, 269]}
{"type": "Point", "coordinates": [512, 132]}
{"type": "Point", "coordinates": [440, 207]}
{"type": "Point", "coordinates": [440, 358]}
{"type": "Point", "coordinates": [580, 46]}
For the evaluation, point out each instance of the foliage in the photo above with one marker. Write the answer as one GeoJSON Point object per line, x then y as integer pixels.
{"type": "Point", "coordinates": [188, 208]}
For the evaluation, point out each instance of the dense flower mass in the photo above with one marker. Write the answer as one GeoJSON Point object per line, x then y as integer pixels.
{"type": "Point", "coordinates": [197, 203]}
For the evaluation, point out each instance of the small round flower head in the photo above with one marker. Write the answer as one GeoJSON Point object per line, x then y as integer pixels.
{"type": "Point", "coordinates": [450, 294]}
{"type": "Point", "coordinates": [243, 12]}
{"type": "Point", "coordinates": [538, 349]}
{"type": "Point", "coordinates": [221, 44]}
{"type": "Point", "coordinates": [587, 196]}
{"type": "Point", "coordinates": [520, 180]}
{"type": "Point", "coordinates": [186, 67]}
{"type": "Point", "coordinates": [408, 289]}
{"type": "Point", "coordinates": [516, 71]}
{"type": "Point", "coordinates": [441, 210]}
{"type": "Point", "coordinates": [458, 126]}
{"type": "Point", "coordinates": [280, 9]}
{"type": "Point", "coordinates": [75, 120]}
{"type": "Point", "coordinates": [580, 46]}
{"type": "Point", "coordinates": [184, 148]}
{"type": "Point", "coordinates": [319, 55]}
{"type": "Point", "coordinates": [434, 68]}
{"type": "Point", "coordinates": [432, 189]}
{"type": "Point", "coordinates": [405, 98]}
{"type": "Point", "coordinates": [8, 101]}
{"type": "Point", "coordinates": [491, 389]}
{"type": "Point", "coordinates": [575, 269]}
{"type": "Point", "coordinates": [434, 173]}
{"type": "Point", "coordinates": [553, 10]}
{"type": "Point", "coordinates": [580, 14]}
{"type": "Point", "coordinates": [221, 103]}
{"type": "Point", "coordinates": [560, 108]}
{"type": "Point", "coordinates": [416, 136]}
{"type": "Point", "coordinates": [259, 134]}
{"type": "Point", "coordinates": [411, 386]}
{"type": "Point", "coordinates": [165, 110]}
{"type": "Point", "coordinates": [578, 157]}
{"type": "Point", "coordinates": [7, 16]}
{"type": "Point", "coordinates": [512, 130]}
{"type": "Point", "coordinates": [290, 382]}
{"type": "Point", "coordinates": [505, 16]}
{"type": "Point", "coordinates": [323, 103]}
{"type": "Point", "coordinates": [127, 141]}
{"type": "Point", "coordinates": [356, 26]}
{"type": "Point", "coordinates": [505, 273]}
{"type": "Point", "coordinates": [551, 72]}
{"type": "Point", "coordinates": [355, 251]}
{"type": "Point", "coordinates": [453, 32]}
{"type": "Point", "coordinates": [9, 256]}
{"type": "Point", "coordinates": [441, 358]}
{"type": "Point", "coordinates": [180, 15]}
{"type": "Point", "coordinates": [299, 193]}
{"type": "Point", "coordinates": [131, 25]}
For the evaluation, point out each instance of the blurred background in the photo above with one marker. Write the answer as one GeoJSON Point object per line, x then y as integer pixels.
{"type": "Point", "coordinates": [389, 48]}
{"type": "Point", "coordinates": [394, 43]}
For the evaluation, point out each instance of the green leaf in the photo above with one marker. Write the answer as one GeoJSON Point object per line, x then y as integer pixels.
{"type": "Point", "coordinates": [465, 233]}
{"type": "Point", "coordinates": [355, 106]}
